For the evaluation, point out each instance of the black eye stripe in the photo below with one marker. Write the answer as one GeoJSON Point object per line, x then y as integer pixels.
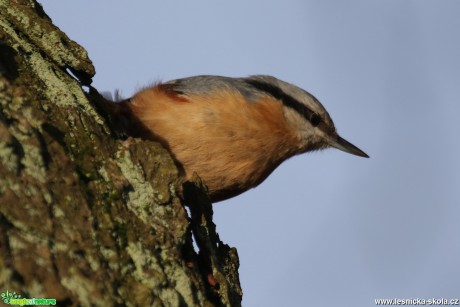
{"type": "Point", "coordinates": [287, 100]}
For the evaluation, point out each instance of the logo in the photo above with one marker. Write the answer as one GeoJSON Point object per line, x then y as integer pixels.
{"type": "Point", "coordinates": [12, 298]}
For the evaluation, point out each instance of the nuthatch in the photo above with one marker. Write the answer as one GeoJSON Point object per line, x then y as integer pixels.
{"type": "Point", "coordinates": [233, 132]}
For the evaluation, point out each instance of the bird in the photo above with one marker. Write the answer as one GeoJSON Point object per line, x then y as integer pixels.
{"type": "Point", "coordinates": [232, 132]}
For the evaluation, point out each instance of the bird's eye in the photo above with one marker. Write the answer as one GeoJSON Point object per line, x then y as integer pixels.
{"type": "Point", "coordinates": [315, 119]}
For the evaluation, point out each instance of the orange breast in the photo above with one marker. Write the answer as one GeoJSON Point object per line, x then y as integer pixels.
{"type": "Point", "coordinates": [232, 144]}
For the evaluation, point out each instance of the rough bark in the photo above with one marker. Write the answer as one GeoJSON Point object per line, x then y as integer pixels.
{"type": "Point", "coordinates": [87, 216]}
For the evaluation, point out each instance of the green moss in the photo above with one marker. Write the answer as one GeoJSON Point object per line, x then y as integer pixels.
{"type": "Point", "coordinates": [61, 89]}
{"type": "Point", "coordinates": [141, 194]}
{"type": "Point", "coordinates": [83, 288]}
{"type": "Point", "coordinates": [8, 157]}
{"type": "Point", "coordinates": [103, 172]}
{"type": "Point", "coordinates": [33, 163]}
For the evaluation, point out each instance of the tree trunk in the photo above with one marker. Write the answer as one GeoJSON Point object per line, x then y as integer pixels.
{"type": "Point", "coordinates": [87, 216]}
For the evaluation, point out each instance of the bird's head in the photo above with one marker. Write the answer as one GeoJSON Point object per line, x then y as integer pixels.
{"type": "Point", "coordinates": [306, 114]}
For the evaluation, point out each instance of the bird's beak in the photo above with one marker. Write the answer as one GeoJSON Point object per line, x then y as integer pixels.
{"type": "Point", "coordinates": [346, 146]}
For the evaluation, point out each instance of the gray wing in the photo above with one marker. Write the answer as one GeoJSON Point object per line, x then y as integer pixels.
{"type": "Point", "coordinates": [206, 84]}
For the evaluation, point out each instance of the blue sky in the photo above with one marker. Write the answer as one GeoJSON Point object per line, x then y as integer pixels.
{"type": "Point", "coordinates": [326, 228]}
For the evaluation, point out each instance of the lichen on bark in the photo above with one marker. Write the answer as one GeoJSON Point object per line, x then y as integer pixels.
{"type": "Point", "coordinates": [87, 217]}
